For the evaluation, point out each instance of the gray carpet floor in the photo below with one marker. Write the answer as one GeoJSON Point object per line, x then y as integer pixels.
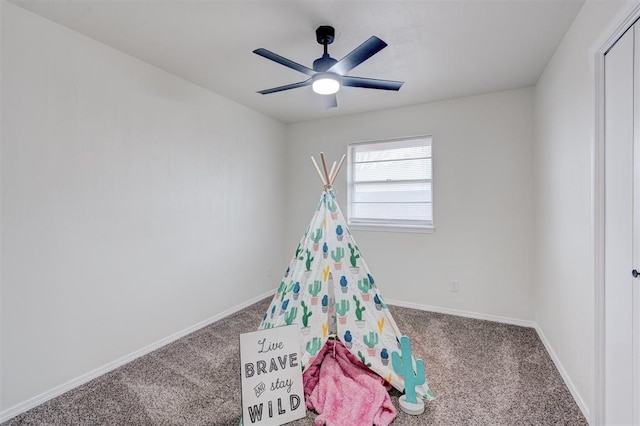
{"type": "Point", "coordinates": [482, 373]}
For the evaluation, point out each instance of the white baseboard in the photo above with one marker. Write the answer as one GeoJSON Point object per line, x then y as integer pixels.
{"type": "Point", "coordinates": [565, 376]}
{"type": "Point", "coordinates": [65, 387]}
{"type": "Point", "coordinates": [460, 313]}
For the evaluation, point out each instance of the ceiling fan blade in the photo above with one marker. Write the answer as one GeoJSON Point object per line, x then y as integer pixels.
{"type": "Point", "coordinates": [358, 55]}
{"type": "Point", "coordinates": [371, 83]}
{"type": "Point", "coordinates": [286, 87]}
{"type": "Point", "coordinates": [330, 101]}
{"type": "Point", "coordinates": [284, 61]}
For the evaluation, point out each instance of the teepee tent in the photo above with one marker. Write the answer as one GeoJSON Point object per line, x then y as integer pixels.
{"type": "Point", "coordinates": [328, 289]}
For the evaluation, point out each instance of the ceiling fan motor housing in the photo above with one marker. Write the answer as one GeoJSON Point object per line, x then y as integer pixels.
{"type": "Point", "coordinates": [324, 63]}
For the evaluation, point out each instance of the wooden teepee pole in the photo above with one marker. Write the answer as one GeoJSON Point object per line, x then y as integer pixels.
{"type": "Point", "coordinates": [313, 160]}
{"type": "Point", "coordinates": [324, 166]}
{"type": "Point", "coordinates": [334, 174]}
{"type": "Point", "coordinates": [333, 167]}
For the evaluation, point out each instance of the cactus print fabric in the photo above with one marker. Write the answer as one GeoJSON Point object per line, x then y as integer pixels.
{"type": "Point", "coordinates": [327, 289]}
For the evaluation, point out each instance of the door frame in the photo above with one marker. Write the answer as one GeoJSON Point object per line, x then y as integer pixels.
{"type": "Point", "coordinates": [623, 21]}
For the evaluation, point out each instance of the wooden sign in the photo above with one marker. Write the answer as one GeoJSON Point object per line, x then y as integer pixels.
{"type": "Point", "coordinates": [272, 390]}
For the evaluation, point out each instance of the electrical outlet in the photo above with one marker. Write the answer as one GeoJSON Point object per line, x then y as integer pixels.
{"type": "Point", "coordinates": [454, 286]}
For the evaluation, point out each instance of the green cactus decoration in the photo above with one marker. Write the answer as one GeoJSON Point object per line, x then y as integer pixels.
{"type": "Point", "coordinates": [313, 346]}
{"type": "Point", "coordinates": [268, 325]}
{"type": "Point", "coordinates": [353, 258]}
{"type": "Point", "coordinates": [372, 339]}
{"type": "Point", "coordinates": [403, 366]}
{"type": "Point", "coordinates": [315, 237]}
{"type": "Point", "coordinates": [364, 361]}
{"type": "Point", "coordinates": [314, 289]}
{"type": "Point", "coordinates": [298, 250]}
{"type": "Point", "coordinates": [281, 287]}
{"type": "Point", "coordinates": [305, 314]}
{"type": "Point", "coordinates": [359, 308]}
{"type": "Point", "coordinates": [332, 206]}
{"type": "Point", "coordinates": [364, 286]}
{"type": "Point", "coordinates": [309, 260]}
{"type": "Point", "coordinates": [337, 254]}
{"type": "Point", "coordinates": [342, 308]}
{"type": "Point", "coordinates": [291, 315]}
{"type": "Point", "coordinates": [287, 288]}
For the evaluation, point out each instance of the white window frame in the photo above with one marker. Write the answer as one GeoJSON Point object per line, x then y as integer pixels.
{"type": "Point", "coordinates": [391, 225]}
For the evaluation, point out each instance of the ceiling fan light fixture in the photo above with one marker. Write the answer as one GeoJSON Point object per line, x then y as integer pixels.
{"type": "Point", "coordinates": [325, 83]}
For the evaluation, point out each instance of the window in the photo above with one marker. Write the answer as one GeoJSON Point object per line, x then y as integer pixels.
{"type": "Point", "coordinates": [390, 185]}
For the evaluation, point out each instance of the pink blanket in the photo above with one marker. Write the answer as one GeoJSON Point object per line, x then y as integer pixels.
{"type": "Point", "coordinates": [343, 391]}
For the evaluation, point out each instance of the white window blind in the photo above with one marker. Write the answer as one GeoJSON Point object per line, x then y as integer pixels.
{"type": "Point", "coordinates": [390, 183]}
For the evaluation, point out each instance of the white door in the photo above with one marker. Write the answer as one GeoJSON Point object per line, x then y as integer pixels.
{"type": "Point", "coordinates": [622, 250]}
{"type": "Point", "coordinates": [636, 227]}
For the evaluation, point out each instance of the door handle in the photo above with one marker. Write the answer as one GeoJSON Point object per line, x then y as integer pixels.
{"type": "Point", "coordinates": [635, 273]}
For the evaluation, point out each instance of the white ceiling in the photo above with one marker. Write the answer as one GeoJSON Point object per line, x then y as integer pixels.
{"type": "Point", "coordinates": [440, 49]}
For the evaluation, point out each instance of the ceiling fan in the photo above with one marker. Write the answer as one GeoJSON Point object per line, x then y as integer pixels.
{"type": "Point", "coordinates": [327, 74]}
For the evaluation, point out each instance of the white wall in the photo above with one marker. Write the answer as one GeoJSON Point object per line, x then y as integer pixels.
{"type": "Point", "coordinates": [564, 167]}
{"type": "Point", "coordinates": [483, 183]}
{"type": "Point", "coordinates": [134, 205]}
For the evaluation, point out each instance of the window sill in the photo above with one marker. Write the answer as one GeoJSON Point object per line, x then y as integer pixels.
{"type": "Point", "coordinates": [393, 228]}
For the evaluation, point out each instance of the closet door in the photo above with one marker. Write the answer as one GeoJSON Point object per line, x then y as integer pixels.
{"type": "Point", "coordinates": [619, 231]}
{"type": "Point", "coordinates": [636, 227]}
